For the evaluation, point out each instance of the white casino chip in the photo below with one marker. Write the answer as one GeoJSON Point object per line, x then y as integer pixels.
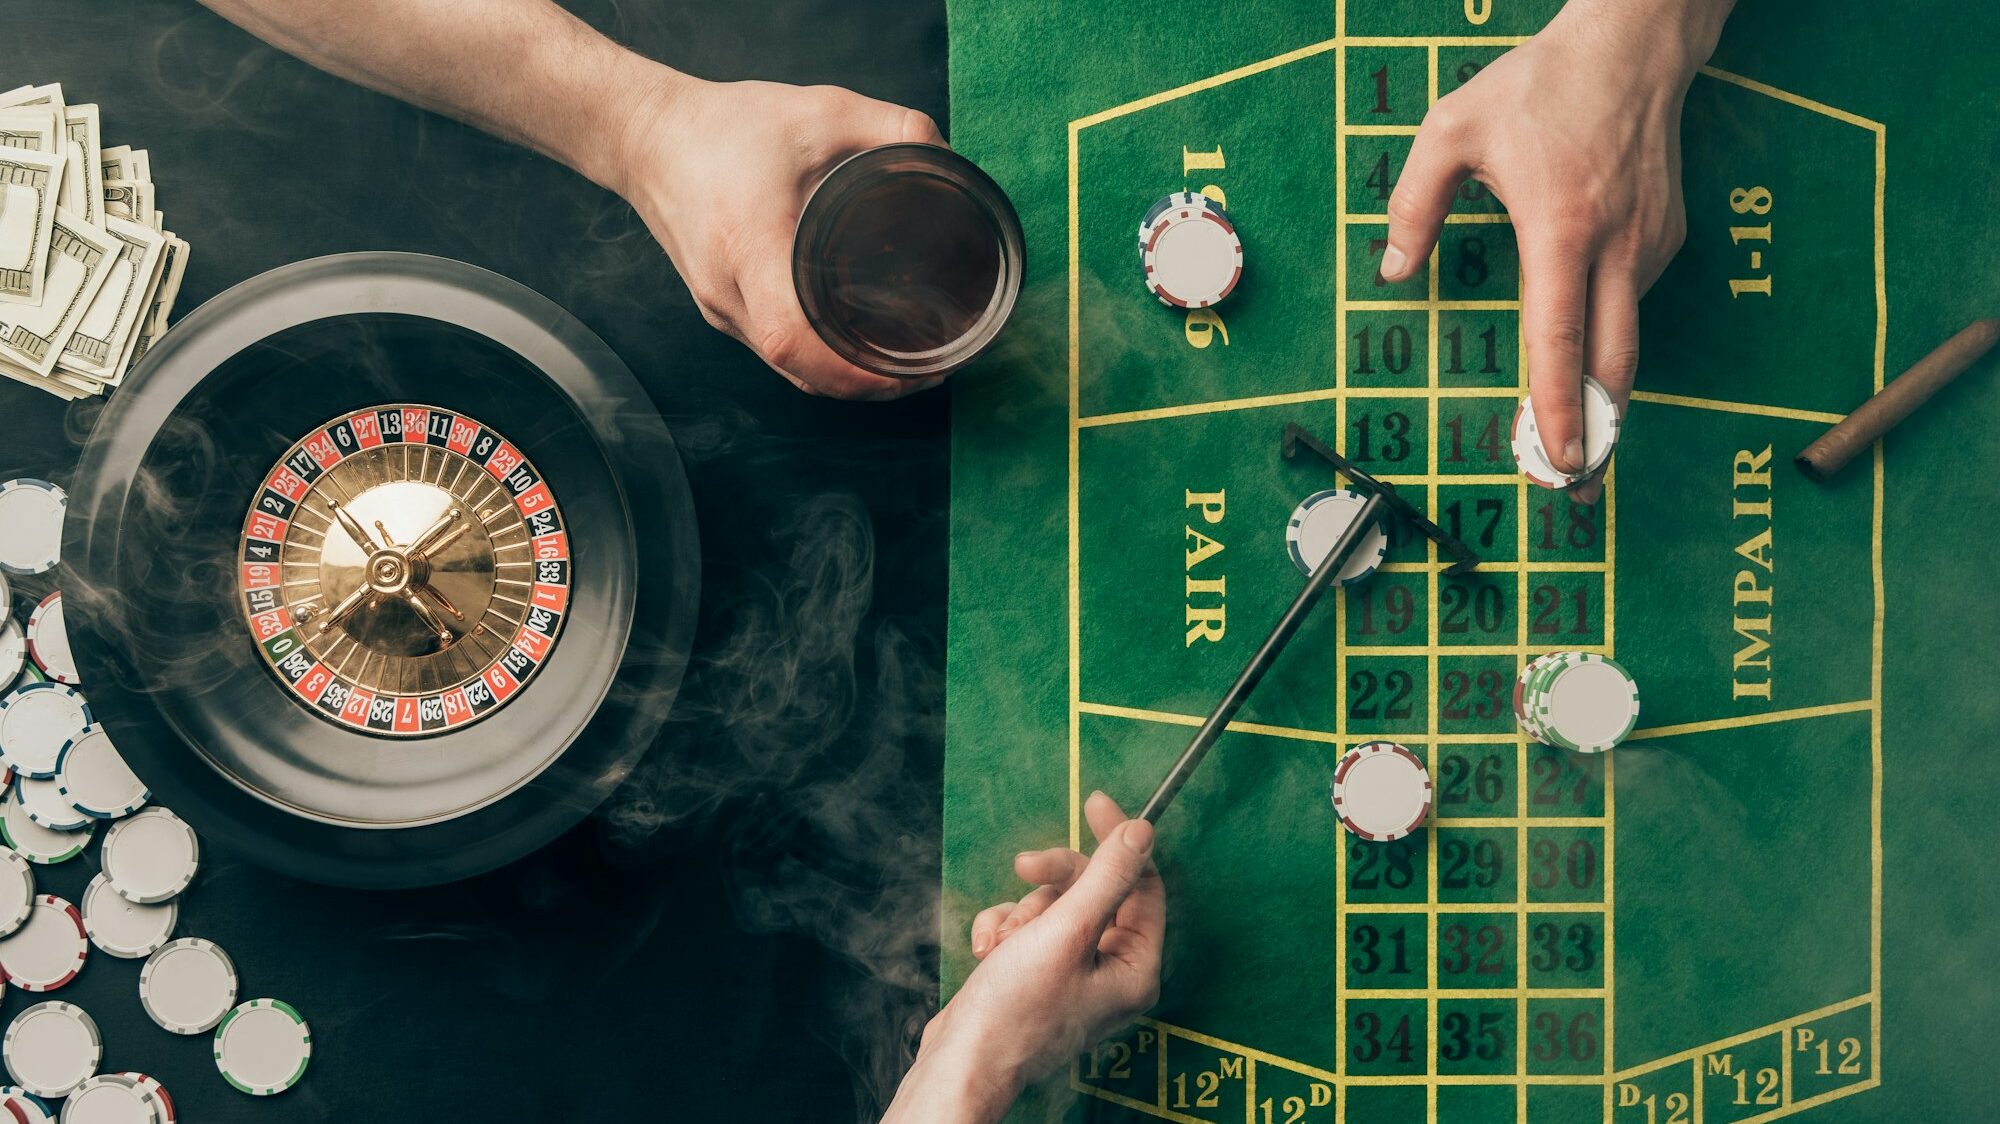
{"type": "Point", "coordinates": [48, 640]}
{"type": "Point", "coordinates": [45, 805]}
{"type": "Point", "coordinates": [31, 520]}
{"type": "Point", "coordinates": [27, 1107]}
{"type": "Point", "coordinates": [151, 856]}
{"type": "Point", "coordinates": [34, 842]}
{"type": "Point", "coordinates": [95, 779]}
{"type": "Point", "coordinates": [125, 929]}
{"type": "Point", "coordinates": [1381, 791]}
{"type": "Point", "coordinates": [1318, 522]}
{"type": "Point", "coordinates": [263, 1046]}
{"type": "Point", "coordinates": [109, 1098]}
{"type": "Point", "coordinates": [36, 721]}
{"type": "Point", "coordinates": [48, 951]}
{"type": "Point", "coordinates": [1192, 255]}
{"type": "Point", "coordinates": [188, 985]}
{"type": "Point", "coordinates": [1589, 705]}
{"type": "Point", "coordinates": [51, 1048]}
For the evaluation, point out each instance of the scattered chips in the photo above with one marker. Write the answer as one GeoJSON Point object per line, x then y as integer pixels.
{"type": "Point", "coordinates": [48, 640]}
{"type": "Point", "coordinates": [1317, 524]}
{"type": "Point", "coordinates": [1577, 700]}
{"type": "Point", "coordinates": [1381, 791]}
{"type": "Point", "coordinates": [95, 780]}
{"type": "Point", "coordinates": [46, 952]}
{"type": "Point", "coordinates": [1189, 250]}
{"type": "Point", "coordinates": [51, 1048]}
{"type": "Point", "coordinates": [263, 1047]}
{"type": "Point", "coordinates": [126, 929]}
{"type": "Point", "coordinates": [34, 842]}
{"type": "Point", "coordinates": [151, 856]}
{"type": "Point", "coordinates": [36, 721]}
{"type": "Point", "coordinates": [188, 985]}
{"type": "Point", "coordinates": [31, 517]}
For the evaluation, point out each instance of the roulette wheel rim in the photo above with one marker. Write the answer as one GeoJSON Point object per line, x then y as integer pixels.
{"type": "Point", "coordinates": [194, 736]}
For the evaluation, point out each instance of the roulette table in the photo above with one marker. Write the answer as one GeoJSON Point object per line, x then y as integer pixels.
{"type": "Point", "coordinates": [1725, 918]}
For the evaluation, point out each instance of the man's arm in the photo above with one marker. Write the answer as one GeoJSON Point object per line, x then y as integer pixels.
{"type": "Point", "coordinates": [1577, 131]}
{"type": "Point", "coordinates": [719, 171]}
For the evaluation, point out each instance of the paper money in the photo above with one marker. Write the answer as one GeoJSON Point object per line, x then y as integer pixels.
{"type": "Point", "coordinates": [30, 182]}
{"type": "Point", "coordinates": [81, 254]}
{"type": "Point", "coordinates": [129, 199]}
{"type": "Point", "coordinates": [84, 193]}
{"type": "Point", "coordinates": [97, 349]}
{"type": "Point", "coordinates": [88, 272]}
{"type": "Point", "coordinates": [173, 265]}
{"type": "Point", "coordinates": [31, 126]}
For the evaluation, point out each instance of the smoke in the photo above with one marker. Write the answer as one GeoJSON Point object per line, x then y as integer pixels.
{"type": "Point", "coordinates": [790, 750]}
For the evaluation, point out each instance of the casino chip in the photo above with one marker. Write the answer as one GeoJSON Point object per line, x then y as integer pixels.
{"type": "Point", "coordinates": [31, 519]}
{"type": "Point", "coordinates": [31, 840]}
{"type": "Point", "coordinates": [110, 1098]}
{"type": "Point", "coordinates": [17, 891]}
{"type": "Point", "coordinates": [1190, 251]}
{"type": "Point", "coordinates": [1381, 791]}
{"type": "Point", "coordinates": [48, 640]}
{"type": "Point", "coordinates": [1601, 425]}
{"type": "Point", "coordinates": [43, 800]}
{"type": "Point", "coordinates": [95, 779]}
{"type": "Point", "coordinates": [188, 985]}
{"type": "Point", "coordinates": [126, 929]}
{"type": "Point", "coordinates": [151, 856]}
{"type": "Point", "coordinates": [36, 721]}
{"type": "Point", "coordinates": [48, 951]}
{"type": "Point", "coordinates": [1317, 523]}
{"type": "Point", "coordinates": [1581, 701]}
{"type": "Point", "coordinates": [26, 1107]}
{"type": "Point", "coordinates": [263, 1047]}
{"type": "Point", "coordinates": [13, 648]}
{"type": "Point", "coordinates": [51, 1048]}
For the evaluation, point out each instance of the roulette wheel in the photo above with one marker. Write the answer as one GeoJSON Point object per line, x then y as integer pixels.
{"type": "Point", "coordinates": [382, 569]}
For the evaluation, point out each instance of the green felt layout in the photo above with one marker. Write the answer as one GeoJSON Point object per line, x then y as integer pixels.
{"type": "Point", "coordinates": [1689, 929]}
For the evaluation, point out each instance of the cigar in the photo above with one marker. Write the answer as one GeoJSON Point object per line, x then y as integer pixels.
{"type": "Point", "coordinates": [1895, 401]}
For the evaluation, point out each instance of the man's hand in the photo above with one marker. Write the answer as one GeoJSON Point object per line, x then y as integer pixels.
{"type": "Point", "coordinates": [1577, 131]}
{"type": "Point", "coordinates": [720, 172]}
{"type": "Point", "coordinates": [1073, 961]}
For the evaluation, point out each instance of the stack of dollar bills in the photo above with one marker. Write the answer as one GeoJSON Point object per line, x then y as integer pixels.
{"type": "Point", "coordinates": [88, 269]}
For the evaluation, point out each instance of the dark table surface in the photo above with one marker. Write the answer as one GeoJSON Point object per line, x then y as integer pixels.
{"type": "Point", "coordinates": [747, 930]}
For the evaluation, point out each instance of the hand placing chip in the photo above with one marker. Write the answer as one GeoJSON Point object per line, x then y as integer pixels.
{"type": "Point", "coordinates": [1577, 131]}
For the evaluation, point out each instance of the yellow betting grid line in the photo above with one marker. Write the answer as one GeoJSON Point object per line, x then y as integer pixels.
{"type": "Point", "coordinates": [1340, 903]}
{"type": "Point", "coordinates": [1075, 479]}
{"type": "Point", "coordinates": [1335, 394]}
{"type": "Point", "coordinates": [1881, 612]}
{"type": "Point", "coordinates": [1607, 1009]}
{"type": "Point", "coordinates": [1726, 406]}
{"type": "Point", "coordinates": [1521, 746]}
{"type": "Point", "coordinates": [1432, 578]}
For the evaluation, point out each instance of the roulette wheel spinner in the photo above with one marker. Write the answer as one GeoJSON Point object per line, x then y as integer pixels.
{"type": "Point", "coordinates": [384, 569]}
